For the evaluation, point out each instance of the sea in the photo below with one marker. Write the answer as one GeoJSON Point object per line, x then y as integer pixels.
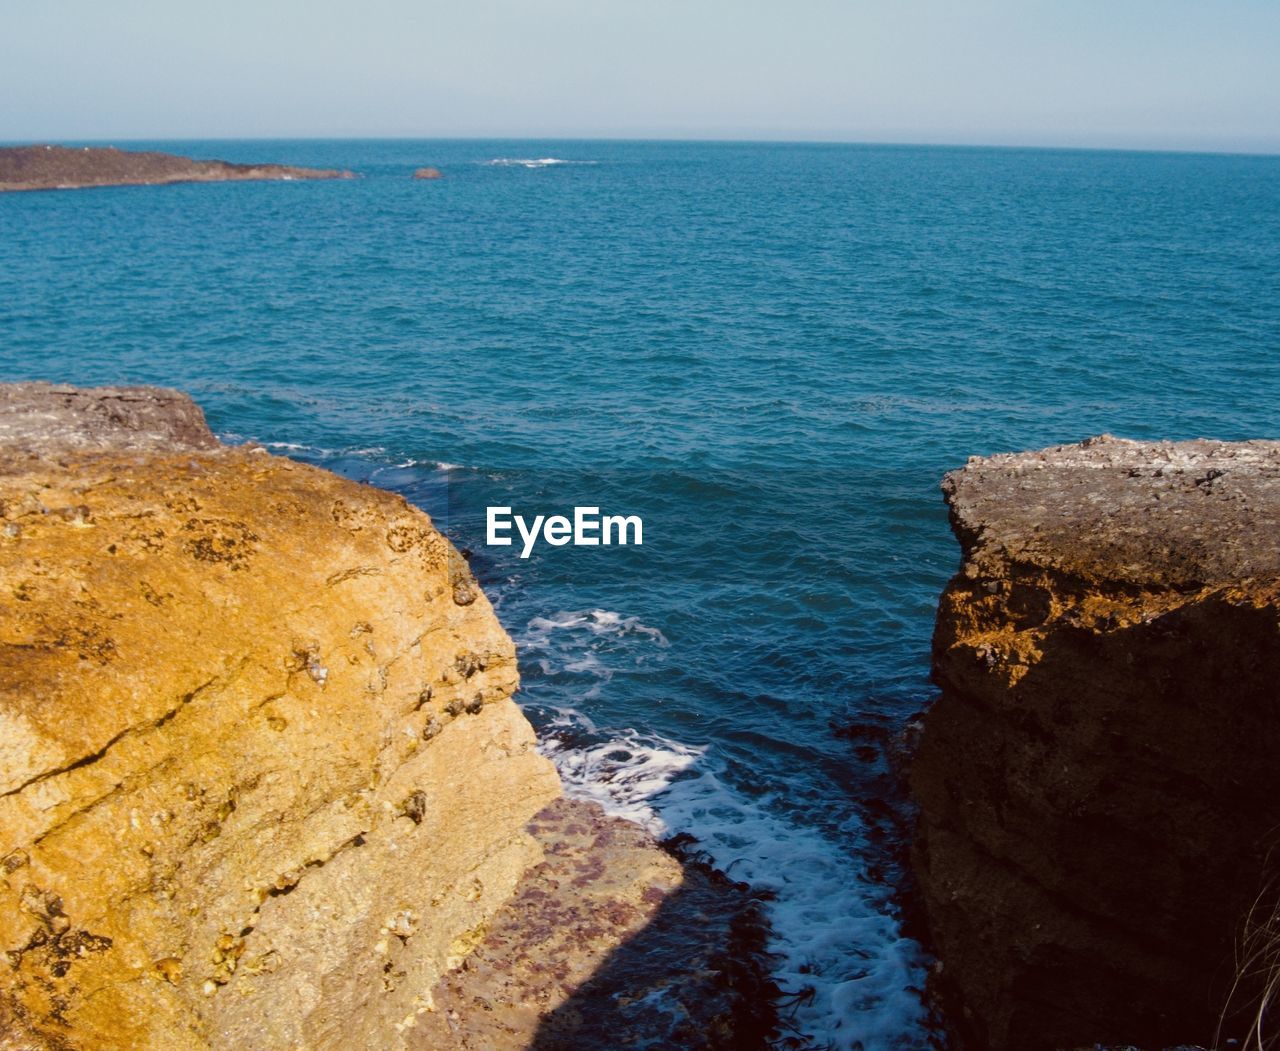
{"type": "Point", "coordinates": [771, 353]}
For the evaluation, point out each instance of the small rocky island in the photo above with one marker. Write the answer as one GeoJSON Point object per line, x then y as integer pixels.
{"type": "Point", "coordinates": [263, 783]}
{"type": "Point", "coordinates": [69, 168]}
{"type": "Point", "coordinates": [1098, 782]}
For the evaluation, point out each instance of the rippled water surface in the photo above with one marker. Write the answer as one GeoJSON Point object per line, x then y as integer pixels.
{"type": "Point", "coordinates": [770, 352]}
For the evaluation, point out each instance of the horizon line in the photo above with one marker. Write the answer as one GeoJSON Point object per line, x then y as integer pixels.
{"type": "Point", "coordinates": [1225, 151]}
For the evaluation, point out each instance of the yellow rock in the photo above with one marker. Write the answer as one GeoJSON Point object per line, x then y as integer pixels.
{"type": "Point", "coordinates": [259, 766]}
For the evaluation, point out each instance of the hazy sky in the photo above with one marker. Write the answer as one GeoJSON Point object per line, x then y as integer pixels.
{"type": "Point", "coordinates": [1198, 74]}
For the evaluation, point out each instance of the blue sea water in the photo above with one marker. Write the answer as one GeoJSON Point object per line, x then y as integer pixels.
{"type": "Point", "coordinates": [769, 352]}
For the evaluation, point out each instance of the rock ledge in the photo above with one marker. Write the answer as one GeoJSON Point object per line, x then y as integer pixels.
{"type": "Point", "coordinates": [1097, 781]}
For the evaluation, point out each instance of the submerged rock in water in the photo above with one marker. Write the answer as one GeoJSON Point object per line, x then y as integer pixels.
{"type": "Point", "coordinates": [67, 168]}
{"type": "Point", "coordinates": [610, 942]}
{"type": "Point", "coordinates": [1098, 783]}
{"type": "Point", "coordinates": [428, 173]}
{"type": "Point", "coordinates": [262, 783]}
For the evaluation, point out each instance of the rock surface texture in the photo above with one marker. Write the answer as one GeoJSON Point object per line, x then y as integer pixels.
{"type": "Point", "coordinates": [260, 773]}
{"type": "Point", "coordinates": [609, 943]}
{"type": "Point", "coordinates": [1098, 781]}
{"type": "Point", "coordinates": [67, 168]}
{"type": "Point", "coordinates": [262, 783]}
{"type": "Point", "coordinates": [428, 173]}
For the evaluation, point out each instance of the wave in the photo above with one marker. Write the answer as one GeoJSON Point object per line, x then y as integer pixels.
{"type": "Point", "coordinates": [533, 162]}
{"type": "Point", "coordinates": [853, 977]}
{"type": "Point", "coordinates": [409, 461]}
{"type": "Point", "coordinates": [378, 456]}
{"type": "Point", "coordinates": [599, 622]}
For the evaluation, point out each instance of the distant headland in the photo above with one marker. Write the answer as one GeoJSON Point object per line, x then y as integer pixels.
{"type": "Point", "coordinates": [69, 168]}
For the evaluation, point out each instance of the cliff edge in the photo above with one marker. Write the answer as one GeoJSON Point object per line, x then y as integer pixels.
{"type": "Point", "coordinates": [1097, 782]}
{"type": "Point", "coordinates": [69, 168]}
{"type": "Point", "coordinates": [262, 782]}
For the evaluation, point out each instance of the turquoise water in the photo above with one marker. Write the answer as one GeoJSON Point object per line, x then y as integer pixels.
{"type": "Point", "coordinates": [770, 352]}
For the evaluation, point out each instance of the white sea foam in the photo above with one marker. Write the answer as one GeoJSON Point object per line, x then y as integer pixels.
{"type": "Point", "coordinates": [839, 950]}
{"type": "Point", "coordinates": [533, 162]}
{"type": "Point", "coordinates": [296, 447]}
{"type": "Point", "coordinates": [368, 452]}
{"type": "Point", "coordinates": [430, 465]}
{"type": "Point", "coordinates": [623, 773]}
{"type": "Point", "coordinates": [599, 622]}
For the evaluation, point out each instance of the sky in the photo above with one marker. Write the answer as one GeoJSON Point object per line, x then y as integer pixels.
{"type": "Point", "coordinates": [1157, 74]}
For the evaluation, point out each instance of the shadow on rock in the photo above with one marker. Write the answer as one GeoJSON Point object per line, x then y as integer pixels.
{"type": "Point", "coordinates": [613, 941]}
